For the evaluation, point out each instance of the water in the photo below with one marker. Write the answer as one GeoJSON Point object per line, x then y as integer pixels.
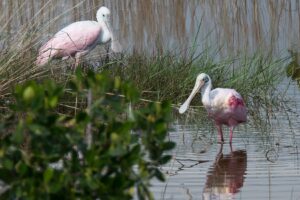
{"type": "Point", "coordinates": [250, 171]}
{"type": "Point", "coordinates": [263, 162]}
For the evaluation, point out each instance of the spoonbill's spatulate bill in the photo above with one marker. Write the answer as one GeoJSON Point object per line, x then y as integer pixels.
{"type": "Point", "coordinates": [224, 106]}
{"type": "Point", "coordinates": [79, 38]}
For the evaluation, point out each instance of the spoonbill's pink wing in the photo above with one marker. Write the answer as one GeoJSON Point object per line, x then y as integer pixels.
{"type": "Point", "coordinates": [237, 108]}
{"type": "Point", "coordinates": [226, 106]}
{"type": "Point", "coordinates": [78, 36]}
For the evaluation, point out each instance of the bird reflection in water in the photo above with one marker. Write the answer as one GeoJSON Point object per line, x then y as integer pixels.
{"type": "Point", "coordinates": [226, 176]}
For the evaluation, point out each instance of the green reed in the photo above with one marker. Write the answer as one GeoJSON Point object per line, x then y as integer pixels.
{"type": "Point", "coordinates": [159, 76]}
{"type": "Point", "coordinates": [172, 77]}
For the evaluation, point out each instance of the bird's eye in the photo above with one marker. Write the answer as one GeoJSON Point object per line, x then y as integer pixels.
{"type": "Point", "coordinates": [103, 15]}
{"type": "Point", "coordinates": [205, 79]}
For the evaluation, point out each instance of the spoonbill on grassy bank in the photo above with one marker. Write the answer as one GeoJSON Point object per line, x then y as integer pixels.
{"type": "Point", "coordinates": [78, 39]}
{"type": "Point", "coordinates": [224, 106]}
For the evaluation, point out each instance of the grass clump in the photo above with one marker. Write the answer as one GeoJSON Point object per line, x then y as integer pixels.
{"type": "Point", "coordinates": [171, 77]}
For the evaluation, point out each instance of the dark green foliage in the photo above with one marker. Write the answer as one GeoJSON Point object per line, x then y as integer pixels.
{"type": "Point", "coordinates": [39, 150]}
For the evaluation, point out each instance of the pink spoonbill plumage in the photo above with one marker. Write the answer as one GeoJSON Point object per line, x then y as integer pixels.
{"type": "Point", "coordinates": [225, 106]}
{"type": "Point", "coordinates": [79, 38]}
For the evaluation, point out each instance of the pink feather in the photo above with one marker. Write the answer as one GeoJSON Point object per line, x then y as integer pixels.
{"type": "Point", "coordinates": [77, 37]}
{"type": "Point", "coordinates": [225, 106]}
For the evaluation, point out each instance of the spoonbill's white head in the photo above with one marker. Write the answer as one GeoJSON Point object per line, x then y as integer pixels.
{"type": "Point", "coordinates": [202, 81]}
{"type": "Point", "coordinates": [103, 14]}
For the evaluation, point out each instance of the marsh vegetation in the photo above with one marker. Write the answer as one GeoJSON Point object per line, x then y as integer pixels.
{"type": "Point", "coordinates": [251, 46]}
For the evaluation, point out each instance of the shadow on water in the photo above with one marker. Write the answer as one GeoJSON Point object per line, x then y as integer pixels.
{"type": "Point", "coordinates": [226, 176]}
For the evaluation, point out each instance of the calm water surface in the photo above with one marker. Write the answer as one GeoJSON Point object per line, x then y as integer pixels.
{"type": "Point", "coordinates": [263, 163]}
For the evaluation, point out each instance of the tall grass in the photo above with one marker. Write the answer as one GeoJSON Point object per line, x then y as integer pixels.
{"type": "Point", "coordinates": [22, 33]}
{"type": "Point", "coordinates": [172, 77]}
{"type": "Point", "coordinates": [160, 75]}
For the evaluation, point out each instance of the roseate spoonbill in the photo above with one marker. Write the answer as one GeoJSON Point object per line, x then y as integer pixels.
{"type": "Point", "coordinates": [79, 38]}
{"type": "Point", "coordinates": [224, 105]}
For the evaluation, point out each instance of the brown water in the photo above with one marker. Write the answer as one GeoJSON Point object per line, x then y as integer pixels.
{"type": "Point", "coordinates": [263, 162]}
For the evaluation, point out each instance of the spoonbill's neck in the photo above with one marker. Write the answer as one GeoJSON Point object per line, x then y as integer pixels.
{"type": "Point", "coordinates": [205, 91]}
{"type": "Point", "coordinates": [106, 32]}
{"type": "Point", "coordinates": [101, 22]}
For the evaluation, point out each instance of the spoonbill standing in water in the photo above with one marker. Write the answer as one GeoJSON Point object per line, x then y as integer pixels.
{"type": "Point", "coordinates": [224, 105]}
{"type": "Point", "coordinates": [78, 39]}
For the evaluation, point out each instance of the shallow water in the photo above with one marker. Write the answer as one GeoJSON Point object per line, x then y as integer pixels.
{"type": "Point", "coordinates": [262, 163]}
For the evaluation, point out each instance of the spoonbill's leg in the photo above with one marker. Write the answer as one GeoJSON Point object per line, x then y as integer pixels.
{"type": "Point", "coordinates": [231, 134]}
{"type": "Point", "coordinates": [230, 144]}
{"type": "Point", "coordinates": [78, 55]}
{"type": "Point", "coordinates": [77, 61]}
{"type": "Point", "coordinates": [220, 133]}
{"type": "Point", "coordinates": [65, 58]}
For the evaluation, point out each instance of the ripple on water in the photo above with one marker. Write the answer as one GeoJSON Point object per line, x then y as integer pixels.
{"type": "Point", "coordinates": [260, 165]}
